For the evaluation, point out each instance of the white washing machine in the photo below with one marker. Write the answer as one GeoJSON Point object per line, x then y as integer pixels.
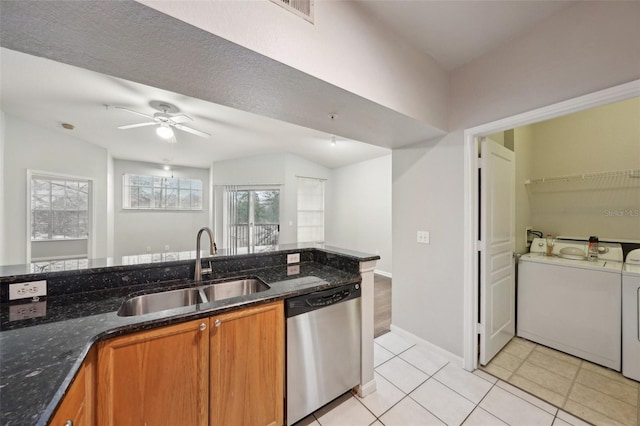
{"type": "Point", "coordinates": [572, 304]}
{"type": "Point", "coordinates": [631, 316]}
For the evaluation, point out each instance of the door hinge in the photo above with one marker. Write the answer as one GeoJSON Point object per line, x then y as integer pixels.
{"type": "Point", "coordinates": [479, 245]}
{"type": "Point", "coordinates": [480, 329]}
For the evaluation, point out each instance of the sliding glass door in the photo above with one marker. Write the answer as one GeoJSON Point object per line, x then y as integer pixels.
{"type": "Point", "coordinates": [252, 219]}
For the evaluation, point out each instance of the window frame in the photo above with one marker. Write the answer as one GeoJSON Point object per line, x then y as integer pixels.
{"type": "Point", "coordinates": [91, 212]}
{"type": "Point", "coordinates": [322, 211]}
{"type": "Point", "coordinates": [127, 206]}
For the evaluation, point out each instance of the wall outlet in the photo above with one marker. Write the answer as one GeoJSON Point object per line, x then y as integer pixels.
{"type": "Point", "coordinates": [166, 247]}
{"type": "Point", "coordinates": [423, 237]}
{"type": "Point", "coordinates": [293, 270]}
{"type": "Point", "coordinates": [27, 290]}
{"type": "Point", "coordinates": [24, 311]}
{"type": "Point", "coordinates": [293, 258]}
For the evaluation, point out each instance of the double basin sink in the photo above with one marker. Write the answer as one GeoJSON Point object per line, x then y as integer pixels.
{"type": "Point", "coordinates": [171, 299]}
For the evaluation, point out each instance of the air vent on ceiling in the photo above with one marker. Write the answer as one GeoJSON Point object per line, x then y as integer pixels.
{"type": "Point", "coordinates": [302, 8]}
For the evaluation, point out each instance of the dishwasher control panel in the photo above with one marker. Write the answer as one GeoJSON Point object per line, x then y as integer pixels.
{"type": "Point", "coordinates": [320, 299]}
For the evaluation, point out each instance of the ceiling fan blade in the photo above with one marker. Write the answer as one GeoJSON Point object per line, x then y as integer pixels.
{"type": "Point", "coordinates": [180, 118]}
{"type": "Point", "coordinates": [192, 131]}
{"type": "Point", "coordinates": [133, 126]}
{"type": "Point", "coordinates": [134, 112]}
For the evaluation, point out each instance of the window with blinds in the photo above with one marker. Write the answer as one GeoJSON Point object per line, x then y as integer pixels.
{"type": "Point", "coordinates": [310, 210]}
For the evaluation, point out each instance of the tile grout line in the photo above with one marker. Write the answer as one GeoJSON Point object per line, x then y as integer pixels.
{"type": "Point", "coordinates": [425, 408]}
{"type": "Point", "coordinates": [564, 397]}
{"type": "Point", "coordinates": [529, 393]}
{"type": "Point", "coordinates": [479, 402]}
{"type": "Point", "coordinates": [606, 415]}
{"type": "Point", "coordinates": [405, 393]}
{"type": "Point", "coordinates": [573, 383]}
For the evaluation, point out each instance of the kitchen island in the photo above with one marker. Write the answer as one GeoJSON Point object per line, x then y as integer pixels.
{"type": "Point", "coordinates": [40, 356]}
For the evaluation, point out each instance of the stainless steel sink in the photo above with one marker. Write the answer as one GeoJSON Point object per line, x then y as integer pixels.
{"type": "Point", "coordinates": [226, 290]}
{"type": "Point", "coordinates": [161, 301]}
{"type": "Point", "coordinates": [155, 302]}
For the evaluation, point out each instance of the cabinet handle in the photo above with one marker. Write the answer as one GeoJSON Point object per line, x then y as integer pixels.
{"type": "Point", "coordinates": [203, 327]}
{"type": "Point", "coordinates": [68, 423]}
{"type": "Point", "coordinates": [217, 323]}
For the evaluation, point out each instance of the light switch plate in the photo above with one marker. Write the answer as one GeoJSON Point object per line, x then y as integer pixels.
{"type": "Point", "coordinates": [27, 290]}
{"type": "Point", "coordinates": [293, 258]}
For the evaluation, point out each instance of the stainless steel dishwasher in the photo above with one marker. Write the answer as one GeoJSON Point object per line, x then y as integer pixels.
{"type": "Point", "coordinates": [323, 348]}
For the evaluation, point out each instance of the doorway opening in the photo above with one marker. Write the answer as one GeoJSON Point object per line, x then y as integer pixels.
{"type": "Point", "coordinates": [521, 357]}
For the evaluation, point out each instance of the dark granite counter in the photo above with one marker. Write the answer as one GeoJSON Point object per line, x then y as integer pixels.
{"type": "Point", "coordinates": [40, 355]}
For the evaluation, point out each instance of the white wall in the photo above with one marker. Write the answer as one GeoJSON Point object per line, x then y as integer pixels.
{"type": "Point", "coordinates": [275, 169]}
{"type": "Point", "coordinates": [360, 218]}
{"type": "Point", "coordinates": [584, 48]}
{"type": "Point", "coordinates": [56, 151]}
{"type": "Point", "coordinates": [603, 139]}
{"type": "Point", "coordinates": [427, 278]}
{"type": "Point", "coordinates": [142, 231]}
{"type": "Point", "coordinates": [524, 146]}
{"type": "Point", "coordinates": [2, 193]}
{"type": "Point", "coordinates": [111, 212]}
{"type": "Point", "coordinates": [381, 67]}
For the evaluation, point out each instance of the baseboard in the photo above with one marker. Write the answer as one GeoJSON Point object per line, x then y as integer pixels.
{"type": "Point", "coordinates": [366, 389]}
{"type": "Point", "coordinates": [383, 273]}
{"type": "Point", "coordinates": [453, 358]}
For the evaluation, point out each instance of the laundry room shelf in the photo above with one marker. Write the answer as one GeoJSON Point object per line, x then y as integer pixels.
{"type": "Point", "coordinates": [619, 179]}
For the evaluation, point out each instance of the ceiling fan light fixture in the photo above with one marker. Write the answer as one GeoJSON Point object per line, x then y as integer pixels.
{"type": "Point", "coordinates": [164, 131]}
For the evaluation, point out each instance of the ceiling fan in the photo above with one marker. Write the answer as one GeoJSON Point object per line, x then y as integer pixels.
{"type": "Point", "coordinates": [167, 118]}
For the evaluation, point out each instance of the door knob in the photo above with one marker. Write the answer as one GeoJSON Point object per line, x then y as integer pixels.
{"type": "Point", "coordinates": [217, 323]}
{"type": "Point", "coordinates": [203, 327]}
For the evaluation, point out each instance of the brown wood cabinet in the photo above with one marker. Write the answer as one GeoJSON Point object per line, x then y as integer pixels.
{"type": "Point", "coordinates": [156, 377]}
{"type": "Point", "coordinates": [224, 370]}
{"type": "Point", "coordinates": [77, 407]}
{"type": "Point", "coordinates": [247, 366]}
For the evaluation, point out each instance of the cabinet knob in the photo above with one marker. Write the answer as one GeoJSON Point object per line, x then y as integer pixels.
{"type": "Point", "coordinates": [68, 423]}
{"type": "Point", "coordinates": [203, 327]}
{"type": "Point", "coordinates": [217, 323]}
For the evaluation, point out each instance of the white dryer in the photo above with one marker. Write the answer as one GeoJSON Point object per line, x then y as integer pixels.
{"type": "Point", "coordinates": [631, 316]}
{"type": "Point", "coordinates": [572, 304]}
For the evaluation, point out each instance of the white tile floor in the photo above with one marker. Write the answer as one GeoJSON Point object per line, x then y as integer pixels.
{"type": "Point", "coordinates": [416, 386]}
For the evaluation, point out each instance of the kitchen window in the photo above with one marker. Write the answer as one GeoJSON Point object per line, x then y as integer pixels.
{"type": "Point", "coordinates": [310, 210]}
{"type": "Point", "coordinates": [161, 193]}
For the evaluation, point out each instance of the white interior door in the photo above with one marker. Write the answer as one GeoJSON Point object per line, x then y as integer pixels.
{"type": "Point", "coordinates": [497, 267]}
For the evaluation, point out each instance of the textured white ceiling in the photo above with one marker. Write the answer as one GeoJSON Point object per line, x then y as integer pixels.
{"type": "Point", "coordinates": [48, 93]}
{"type": "Point", "coordinates": [456, 32]}
{"type": "Point", "coordinates": [128, 40]}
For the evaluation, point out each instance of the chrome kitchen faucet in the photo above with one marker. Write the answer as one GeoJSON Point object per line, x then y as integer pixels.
{"type": "Point", "coordinates": [197, 276]}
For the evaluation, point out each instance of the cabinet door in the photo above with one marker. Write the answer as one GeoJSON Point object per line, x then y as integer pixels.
{"type": "Point", "coordinates": [247, 366]}
{"type": "Point", "coordinates": [157, 377]}
{"type": "Point", "coordinates": [76, 409]}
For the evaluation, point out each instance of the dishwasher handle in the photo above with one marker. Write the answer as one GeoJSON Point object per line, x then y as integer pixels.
{"type": "Point", "coordinates": [321, 299]}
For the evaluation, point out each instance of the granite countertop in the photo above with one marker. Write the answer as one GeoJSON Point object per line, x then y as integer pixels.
{"type": "Point", "coordinates": [40, 356]}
